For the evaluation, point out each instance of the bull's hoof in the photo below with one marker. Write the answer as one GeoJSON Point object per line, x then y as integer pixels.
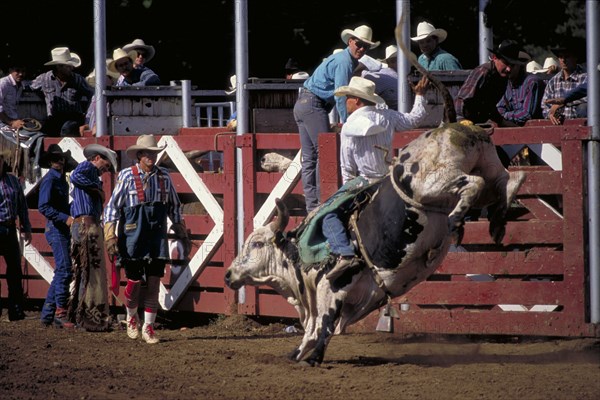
{"type": "Point", "coordinates": [308, 363]}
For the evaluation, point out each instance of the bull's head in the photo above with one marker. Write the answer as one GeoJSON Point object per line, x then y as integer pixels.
{"type": "Point", "coordinates": [260, 256]}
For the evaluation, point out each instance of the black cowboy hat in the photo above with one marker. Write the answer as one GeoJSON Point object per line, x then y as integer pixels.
{"type": "Point", "coordinates": [570, 45]}
{"type": "Point", "coordinates": [508, 50]}
{"type": "Point", "coordinates": [54, 150]}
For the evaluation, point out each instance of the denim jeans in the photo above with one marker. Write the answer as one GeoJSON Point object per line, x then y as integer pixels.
{"type": "Point", "coordinates": [10, 249]}
{"type": "Point", "coordinates": [311, 115]}
{"type": "Point", "coordinates": [58, 293]}
{"type": "Point", "coordinates": [336, 235]}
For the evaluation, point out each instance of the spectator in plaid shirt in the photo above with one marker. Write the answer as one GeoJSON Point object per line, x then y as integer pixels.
{"type": "Point", "coordinates": [480, 93]}
{"type": "Point", "coordinates": [569, 53]}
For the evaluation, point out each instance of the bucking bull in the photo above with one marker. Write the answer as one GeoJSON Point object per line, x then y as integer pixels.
{"type": "Point", "coordinates": [403, 233]}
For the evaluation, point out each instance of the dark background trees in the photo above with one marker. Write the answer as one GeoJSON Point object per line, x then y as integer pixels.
{"type": "Point", "coordinates": [196, 40]}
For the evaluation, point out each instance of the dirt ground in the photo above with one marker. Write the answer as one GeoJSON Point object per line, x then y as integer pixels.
{"type": "Point", "coordinates": [239, 358]}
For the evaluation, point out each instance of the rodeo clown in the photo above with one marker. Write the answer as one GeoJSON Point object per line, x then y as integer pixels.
{"type": "Point", "coordinates": [141, 202]}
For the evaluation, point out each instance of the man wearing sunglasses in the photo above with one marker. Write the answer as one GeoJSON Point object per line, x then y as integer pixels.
{"type": "Point", "coordinates": [316, 99]}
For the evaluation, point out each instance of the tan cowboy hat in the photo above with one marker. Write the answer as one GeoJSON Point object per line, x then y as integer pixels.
{"type": "Point", "coordinates": [425, 29]}
{"type": "Point", "coordinates": [138, 44]}
{"type": "Point", "coordinates": [63, 56]}
{"type": "Point", "coordinates": [119, 53]}
{"type": "Point", "coordinates": [360, 87]}
{"type": "Point", "coordinates": [363, 33]}
{"type": "Point", "coordinates": [94, 149]}
{"type": "Point", "coordinates": [144, 142]}
{"type": "Point", "coordinates": [91, 78]}
{"type": "Point", "coordinates": [233, 85]}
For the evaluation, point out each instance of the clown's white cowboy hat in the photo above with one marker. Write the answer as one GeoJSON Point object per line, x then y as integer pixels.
{"type": "Point", "coordinates": [63, 56]}
{"type": "Point", "coordinates": [425, 29]}
{"type": "Point", "coordinates": [146, 143]}
{"type": "Point", "coordinates": [94, 149]}
{"type": "Point", "coordinates": [360, 87]}
{"type": "Point", "coordinates": [233, 85]}
{"type": "Point", "coordinates": [363, 33]}
{"type": "Point", "coordinates": [91, 78]}
{"type": "Point", "coordinates": [138, 44]}
{"type": "Point", "coordinates": [118, 54]}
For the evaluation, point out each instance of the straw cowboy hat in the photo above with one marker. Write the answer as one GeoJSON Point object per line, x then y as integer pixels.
{"type": "Point", "coordinates": [118, 54]}
{"type": "Point", "coordinates": [63, 56]}
{"type": "Point", "coordinates": [146, 143]}
{"type": "Point", "coordinates": [91, 78]}
{"type": "Point", "coordinates": [360, 87]}
{"type": "Point", "coordinates": [138, 44]}
{"type": "Point", "coordinates": [549, 62]}
{"type": "Point", "coordinates": [233, 85]}
{"type": "Point", "coordinates": [425, 29]}
{"type": "Point", "coordinates": [509, 51]}
{"type": "Point", "coordinates": [390, 52]}
{"type": "Point", "coordinates": [97, 149]}
{"type": "Point", "coordinates": [533, 67]}
{"type": "Point", "coordinates": [55, 150]}
{"type": "Point", "coordinates": [363, 33]}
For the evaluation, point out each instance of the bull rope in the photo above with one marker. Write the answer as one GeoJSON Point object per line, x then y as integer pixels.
{"type": "Point", "coordinates": [378, 280]}
{"type": "Point", "coordinates": [407, 199]}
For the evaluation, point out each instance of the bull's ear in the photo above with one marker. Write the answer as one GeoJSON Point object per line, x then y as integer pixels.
{"type": "Point", "coordinates": [281, 221]}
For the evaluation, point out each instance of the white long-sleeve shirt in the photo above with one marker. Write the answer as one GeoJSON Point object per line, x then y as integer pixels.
{"type": "Point", "coordinates": [368, 127]}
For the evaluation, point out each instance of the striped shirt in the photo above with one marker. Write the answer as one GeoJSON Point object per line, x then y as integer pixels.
{"type": "Point", "coordinates": [61, 98]}
{"type": "Point", "coordinates": [368, 127]}
{"type": "Point", "coordinates": [10, 93]}
{"type": "Point", "coordinates": [12, 202]}
{"type": "Point", "coordinates": [125, 193]}
{"type": "Point", "coordinates": [522, 101]}
{"type": "Point", "coordinates": [83, 178]}
{"type": "Point", "coordinates": [558, 86]}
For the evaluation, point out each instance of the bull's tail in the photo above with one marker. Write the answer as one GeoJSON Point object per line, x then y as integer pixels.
{"type": "Point", "coordinates": [449, 110]}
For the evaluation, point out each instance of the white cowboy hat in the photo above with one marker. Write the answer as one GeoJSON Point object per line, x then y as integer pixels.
{"type": "Point", "coordinates": [533, 67]}
{"type": "Point", "coordinates": [548, 62]}
{"type": "Point", "coordinates": [144, 142]}
{"type": "Point", "coordinates": [300, 75]}
{"type": "Point", "coordinates": [63, 56]}
{"type": "Point", "coordinates": [390, 52]}
{"type": "Point", "coordinates": [139, 44]}
{"type": "Point", "coordinates": [233, 85]}
{"type": "Point", "coordinates": [425, 29]}
{"type": "Point", "coordinates": [360, 87]}
{"type": "Point", "coordinates": [94, 148]}
{"type": "Point", "coordinates": [91, 78]}
{"type": "Point", "coordinates": [119, 53]}
{"type": "Point", "coordinates": [363, 33]}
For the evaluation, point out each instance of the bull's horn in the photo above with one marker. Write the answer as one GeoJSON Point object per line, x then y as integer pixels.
{"type": "Point", "coordinates": [279, 224]}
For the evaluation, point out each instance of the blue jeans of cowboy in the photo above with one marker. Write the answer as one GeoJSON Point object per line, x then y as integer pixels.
{"type": "Point", "coordinates": [337, 235]}
{"type": "Point", "coordinates": [311, 115]}
{"type": "Point", "coordinates": [58, 293]}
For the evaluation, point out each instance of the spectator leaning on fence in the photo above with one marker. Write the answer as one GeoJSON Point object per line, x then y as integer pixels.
{"type": "Point", "coordinates": [129, 76]}
{"type": "Point", "coordinates": [67, 94]}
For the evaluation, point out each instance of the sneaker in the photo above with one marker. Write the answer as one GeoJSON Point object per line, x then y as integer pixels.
{"type": "Point", "coordinates": [149, 336]}
{"type": "Point", "coordinates": [132, 327]}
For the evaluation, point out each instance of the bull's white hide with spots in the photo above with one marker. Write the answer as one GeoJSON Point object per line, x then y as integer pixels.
{"type": "Point", "coordinates": [406, 231]}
